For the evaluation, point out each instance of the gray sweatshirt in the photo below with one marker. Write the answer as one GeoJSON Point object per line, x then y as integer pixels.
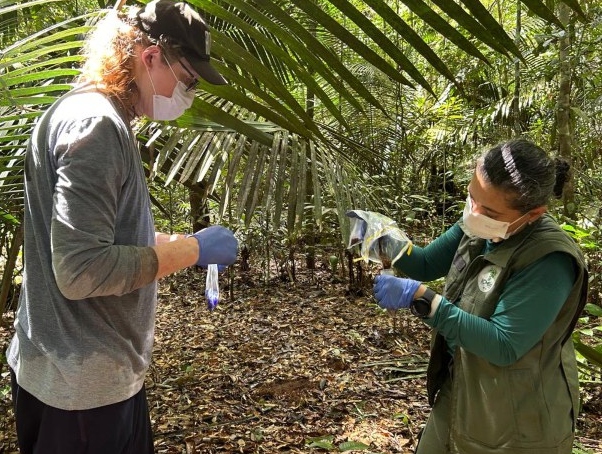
{"type": "Point", "coordinates": [85, 323]}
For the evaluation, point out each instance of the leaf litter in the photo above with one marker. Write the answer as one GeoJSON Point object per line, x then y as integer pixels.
{"type": "Point", "coordinates": [282, 368]}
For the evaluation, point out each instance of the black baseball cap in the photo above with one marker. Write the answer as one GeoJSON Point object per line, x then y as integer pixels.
{"type": "Point", "coordinates": [184, 26]}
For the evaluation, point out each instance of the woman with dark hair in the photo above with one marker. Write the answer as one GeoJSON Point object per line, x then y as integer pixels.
{"type": "Point", "coordinates": [502, 376]}
{"type": "Point", "coordinates": [85, 323]}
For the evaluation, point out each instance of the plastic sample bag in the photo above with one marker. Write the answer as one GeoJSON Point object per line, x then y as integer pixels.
{"type": "Point", "coordinates": [379, 238]}
{"type": "Point", "coordinates": [212, 287]}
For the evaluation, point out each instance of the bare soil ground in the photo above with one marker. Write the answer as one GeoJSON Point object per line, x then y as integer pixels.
{"type": "Point", "coordinates": [286, 368]}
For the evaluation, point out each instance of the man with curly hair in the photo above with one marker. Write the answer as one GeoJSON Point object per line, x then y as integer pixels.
{"type": "Point", "coordinates": [84, 328]}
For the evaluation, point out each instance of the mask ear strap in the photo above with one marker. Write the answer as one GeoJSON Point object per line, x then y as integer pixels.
{"type": "Point", "coordinates": [151, 79]}
{"type": "Point", "coordinates": [516, 220]}
{"type": "Point", "coordinates": [171, 69]}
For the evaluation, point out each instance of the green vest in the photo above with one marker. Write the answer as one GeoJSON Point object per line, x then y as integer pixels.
{"type": "Point", "coordinates": [530, 406]}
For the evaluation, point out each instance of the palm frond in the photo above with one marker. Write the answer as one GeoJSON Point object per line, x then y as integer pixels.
{"type": "Point", "coordinates": [278, 56]}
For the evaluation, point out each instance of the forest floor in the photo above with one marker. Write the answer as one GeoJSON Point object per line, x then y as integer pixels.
{"type": "Point", "coordinates": [298, 368]}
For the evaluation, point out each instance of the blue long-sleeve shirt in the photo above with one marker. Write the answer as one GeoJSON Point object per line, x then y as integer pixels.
{"type": "Point", "coordinates": [528, 305]}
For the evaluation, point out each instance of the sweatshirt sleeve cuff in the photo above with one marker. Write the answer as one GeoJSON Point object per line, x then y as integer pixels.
{"type": "Point", "coordinates": [149, 266]}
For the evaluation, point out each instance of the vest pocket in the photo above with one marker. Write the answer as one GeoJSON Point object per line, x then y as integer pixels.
{"type": "Point", "coordinates": [484, 412]}
{"type": "Point", "coordinates": [528, 403]}
{"type": "Point", "coordinates": [501, 410]}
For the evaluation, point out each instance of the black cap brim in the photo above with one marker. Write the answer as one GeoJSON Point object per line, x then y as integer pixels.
{"type": "Point", "coordinates": [206, 71]}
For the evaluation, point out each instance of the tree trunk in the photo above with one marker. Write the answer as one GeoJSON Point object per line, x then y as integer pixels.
{"type": "Point", "coordinates": [310, 235]}
{"type": "Point", "coordinates": [563, 110]}
{"type": "Point", "coordinates": [199, 210]}
{"type": "Point", "coordinates": [516, 127]}
{"type": "Point", "coordinates": [9, 268]}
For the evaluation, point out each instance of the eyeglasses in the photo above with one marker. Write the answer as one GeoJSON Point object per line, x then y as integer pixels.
{"type": "Point", "coordinates": [195, 81]}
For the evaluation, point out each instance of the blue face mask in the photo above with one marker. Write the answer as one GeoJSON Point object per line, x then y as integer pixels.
{"type": "Point", "coordinates": [484, 227]}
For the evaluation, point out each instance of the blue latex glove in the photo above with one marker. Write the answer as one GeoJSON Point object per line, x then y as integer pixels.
{"type": "Point", "coordinates": [217, 245]}
{"type": "Point", "coordinates": [394, 292]}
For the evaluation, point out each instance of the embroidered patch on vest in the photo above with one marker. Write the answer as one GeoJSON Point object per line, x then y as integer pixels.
{"type": "Point", "coordinates": [487, 277]}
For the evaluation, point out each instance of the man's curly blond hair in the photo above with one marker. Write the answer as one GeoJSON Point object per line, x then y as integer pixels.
{"type": "Point", "coordinates": [110, 52]}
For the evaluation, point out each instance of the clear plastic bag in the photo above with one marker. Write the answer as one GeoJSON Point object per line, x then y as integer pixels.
{"type": "Point", "coordinates": [357, 229]}
{"type": "Point", "coordinates": [212, 287]}
{"type": "Point", "coordinates": [379, 238]}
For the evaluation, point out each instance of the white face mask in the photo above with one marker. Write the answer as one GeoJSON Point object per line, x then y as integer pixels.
{"type": "Point", "coordinates": [483, 226]}
{"type": "Point", "coordinates": [165, 108]}
{"type": "Point", "coordinates": [169, 108]}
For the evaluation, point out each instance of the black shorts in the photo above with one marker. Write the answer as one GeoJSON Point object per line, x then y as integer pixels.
{"type": "Point", "coordinates": [121, 428]}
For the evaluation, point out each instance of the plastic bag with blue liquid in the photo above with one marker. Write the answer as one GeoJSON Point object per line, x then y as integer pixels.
{"type": "Point", "coordinates": [212, 287]}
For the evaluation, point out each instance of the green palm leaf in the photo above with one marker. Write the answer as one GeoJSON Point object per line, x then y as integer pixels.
{"type": "Point", "coordinates": [273, 60]}
{"type": "Point", "coordinates": [314, 47]}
